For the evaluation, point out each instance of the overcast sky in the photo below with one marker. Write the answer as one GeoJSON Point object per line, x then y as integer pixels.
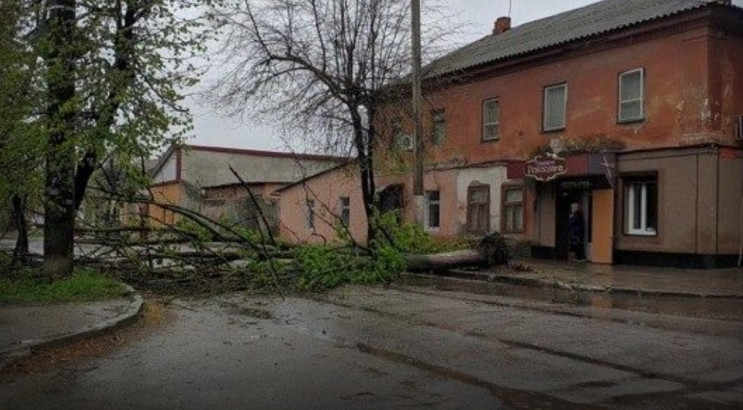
{"type": "Point", "coordinates": [479, 15]}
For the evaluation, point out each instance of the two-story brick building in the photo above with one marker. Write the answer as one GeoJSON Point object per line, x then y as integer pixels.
{"type": "Point", "coordinates": [631, 108]}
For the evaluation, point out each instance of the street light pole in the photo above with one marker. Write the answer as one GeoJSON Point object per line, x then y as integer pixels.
{"type": "Point", "coordinates": [417, 119]}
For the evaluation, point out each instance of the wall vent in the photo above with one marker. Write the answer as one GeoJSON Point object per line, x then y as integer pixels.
{"type": "Point", "coordinates": [405, 142]}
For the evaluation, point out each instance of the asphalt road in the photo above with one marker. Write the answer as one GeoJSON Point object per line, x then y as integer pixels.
{"type": "Point", "coordinates": [406, 348]}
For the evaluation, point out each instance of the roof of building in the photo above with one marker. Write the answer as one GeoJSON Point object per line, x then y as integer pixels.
{"type": "Point", "coordinates": [311, 177]}
{"type": "Point", "coordinates": [577, 24]}
{"type": "Point", "coordinates": [208, 166]}
{"type": "Point", "coordinates": [275, 154]}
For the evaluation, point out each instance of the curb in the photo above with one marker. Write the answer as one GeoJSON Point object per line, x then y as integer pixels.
{"type": "Point", "coordinates": [555, 284]}
{"type": "Point", "coordinates": [26, 348]}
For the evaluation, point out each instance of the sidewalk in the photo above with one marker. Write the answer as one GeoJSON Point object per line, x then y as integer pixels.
{"type": "Point", "coordinates": [718, 283]}
{"type": "Point", "coordinates": [28, 328]}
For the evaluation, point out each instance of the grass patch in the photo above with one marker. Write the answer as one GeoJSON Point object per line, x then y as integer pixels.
{"type": "Point", "coordinates": [82, 286]}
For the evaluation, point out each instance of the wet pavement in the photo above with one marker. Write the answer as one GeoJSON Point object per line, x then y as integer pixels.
{"type": "Point", "coordinates": [630, 279]}
{"type": "Point", "coordinates": [361, 347]}
{"type": "Point", "coordinates": [228, 353]}
{"type": "Point", "coordinates": [701, 307]}
{"type": "Point", "coordinates": [23, 323]}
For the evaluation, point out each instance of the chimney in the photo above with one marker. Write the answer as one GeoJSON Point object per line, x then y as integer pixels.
{"type": "Point", "coordinates": [502, 25]}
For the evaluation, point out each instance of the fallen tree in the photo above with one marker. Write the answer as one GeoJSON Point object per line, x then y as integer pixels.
{"type": "Point", "coordinates": [445, 260]}
{"type": "Point", "coordinates": [491, 250]}
{"type": "Point", "coordinates": [197, 250]}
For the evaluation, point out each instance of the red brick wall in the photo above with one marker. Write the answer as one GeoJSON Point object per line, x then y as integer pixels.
{"type": "Point", "coordinates": [726, 66]}
{"type": "Point", "coordinates": [692, 78]}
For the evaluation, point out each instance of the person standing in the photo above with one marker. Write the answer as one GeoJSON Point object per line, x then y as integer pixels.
{"type": "Point", "coordinates": [577, 232]}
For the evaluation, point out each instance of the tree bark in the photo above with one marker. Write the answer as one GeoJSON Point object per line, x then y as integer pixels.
{"type": "Point", "coordinates": [366, 164]}
{"type": "Point", "coordinates": [20, 253]}
{"type": "Point", "coordinates": [59, 218]}
{"type": "Point", "coordinates": [447, 260]}
{"type": "Point", "coordinates": [84, 171]}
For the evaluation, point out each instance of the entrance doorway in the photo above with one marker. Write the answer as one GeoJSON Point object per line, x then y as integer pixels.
{"type": "Point", "coordinates": [390, 198]}
{"type": "Point", "coordinates": [565, 197]}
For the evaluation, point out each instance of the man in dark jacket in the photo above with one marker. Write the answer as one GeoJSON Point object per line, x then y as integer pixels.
{"type": "Point", "coordinates": [577, 232]}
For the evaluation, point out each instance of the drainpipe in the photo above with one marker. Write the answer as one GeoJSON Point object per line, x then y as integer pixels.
{"type": "Point", "coordinates": [740, 235]}
{"type": "Point", "coordinates": [417, 119]}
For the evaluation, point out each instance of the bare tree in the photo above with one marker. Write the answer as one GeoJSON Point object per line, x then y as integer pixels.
{"type": "Point", "coordinates": [326, 66]}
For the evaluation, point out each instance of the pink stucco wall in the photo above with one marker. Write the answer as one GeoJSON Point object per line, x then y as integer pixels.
{"type": "Point", "coordinates": [325, 190]}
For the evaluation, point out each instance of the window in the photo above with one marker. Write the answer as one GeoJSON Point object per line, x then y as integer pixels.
{"type": "Point", "coordinates": [642, 207]}
{"type": "Point", "coordinates": [490, 120]}
{"type": "Point", "coordinates": [433, 210]}
{"type": "Point", "coordinates": [513, 210]}
{"type": "Point", "coordinates": [345, 214]}
{"type": "Point", "coordinates": [439, 128]}
{"type": "Point", "coordinates": [310, 214]}
{"type": "Point", "coordinates": [555, 106]}
{"type": "Point", "coordinates": [632, 95]}
{"type": "Point", "coordinates": [478, 209]}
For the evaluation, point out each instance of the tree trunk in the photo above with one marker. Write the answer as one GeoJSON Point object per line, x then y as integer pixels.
{"type": "Point", "coordinates": [59, 204]}
{"type": "Point", "coordinates": [85, 169]}
{"type": "Point", "coordinates": [20, 253]}
{"type": "Point", "coordinates": [366, 164]}
{"type": "Point", "coordinates": [444, 261]}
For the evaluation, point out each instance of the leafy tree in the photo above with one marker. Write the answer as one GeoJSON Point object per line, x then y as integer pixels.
{"type": "Point", "coordinates": [20, 142]}
{"type": "Point", "coordinates": [114, 73]}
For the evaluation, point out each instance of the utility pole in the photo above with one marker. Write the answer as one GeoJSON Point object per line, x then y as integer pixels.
{"type": "Point", "coordinates": [417, 111]}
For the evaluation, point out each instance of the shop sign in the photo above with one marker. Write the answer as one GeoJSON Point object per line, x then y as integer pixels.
{"type": "Point", "coordinates": [577, 185]}
{"type": "Point", "coordinates": [546, 167]}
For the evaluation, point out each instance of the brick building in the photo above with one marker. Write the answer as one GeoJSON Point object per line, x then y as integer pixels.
{"type": "Point", "coordinates": [631, 108]}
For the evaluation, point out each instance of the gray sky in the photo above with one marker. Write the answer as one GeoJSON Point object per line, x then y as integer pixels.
{"type": "Point", "coordinates": [479, 15]}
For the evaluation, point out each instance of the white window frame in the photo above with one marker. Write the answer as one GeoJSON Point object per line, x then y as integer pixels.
{"type": "Point", "coordinates": [427, 210]}
{"type": "Point", "coordinates": [641, 99]}
{"type": "Point", "coordinates": [631, 193]}
{"type": "Point", "coordinates": [495, 123]}
{"type": "Point", "coordinates": [564, 110]}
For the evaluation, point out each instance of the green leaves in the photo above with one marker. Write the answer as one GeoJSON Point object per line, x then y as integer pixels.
{"type": "Point", "coordinates": [21, 136]}
{"type": "Point", "coordinates": [322, 267]}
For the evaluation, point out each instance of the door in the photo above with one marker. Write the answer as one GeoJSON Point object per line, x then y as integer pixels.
{"type": "Point", "coordinates": [562, 220]}
{"type": "Point", "coordinates": [390, 199]}
{"type": "Point", "coordinates": [602, 244]}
